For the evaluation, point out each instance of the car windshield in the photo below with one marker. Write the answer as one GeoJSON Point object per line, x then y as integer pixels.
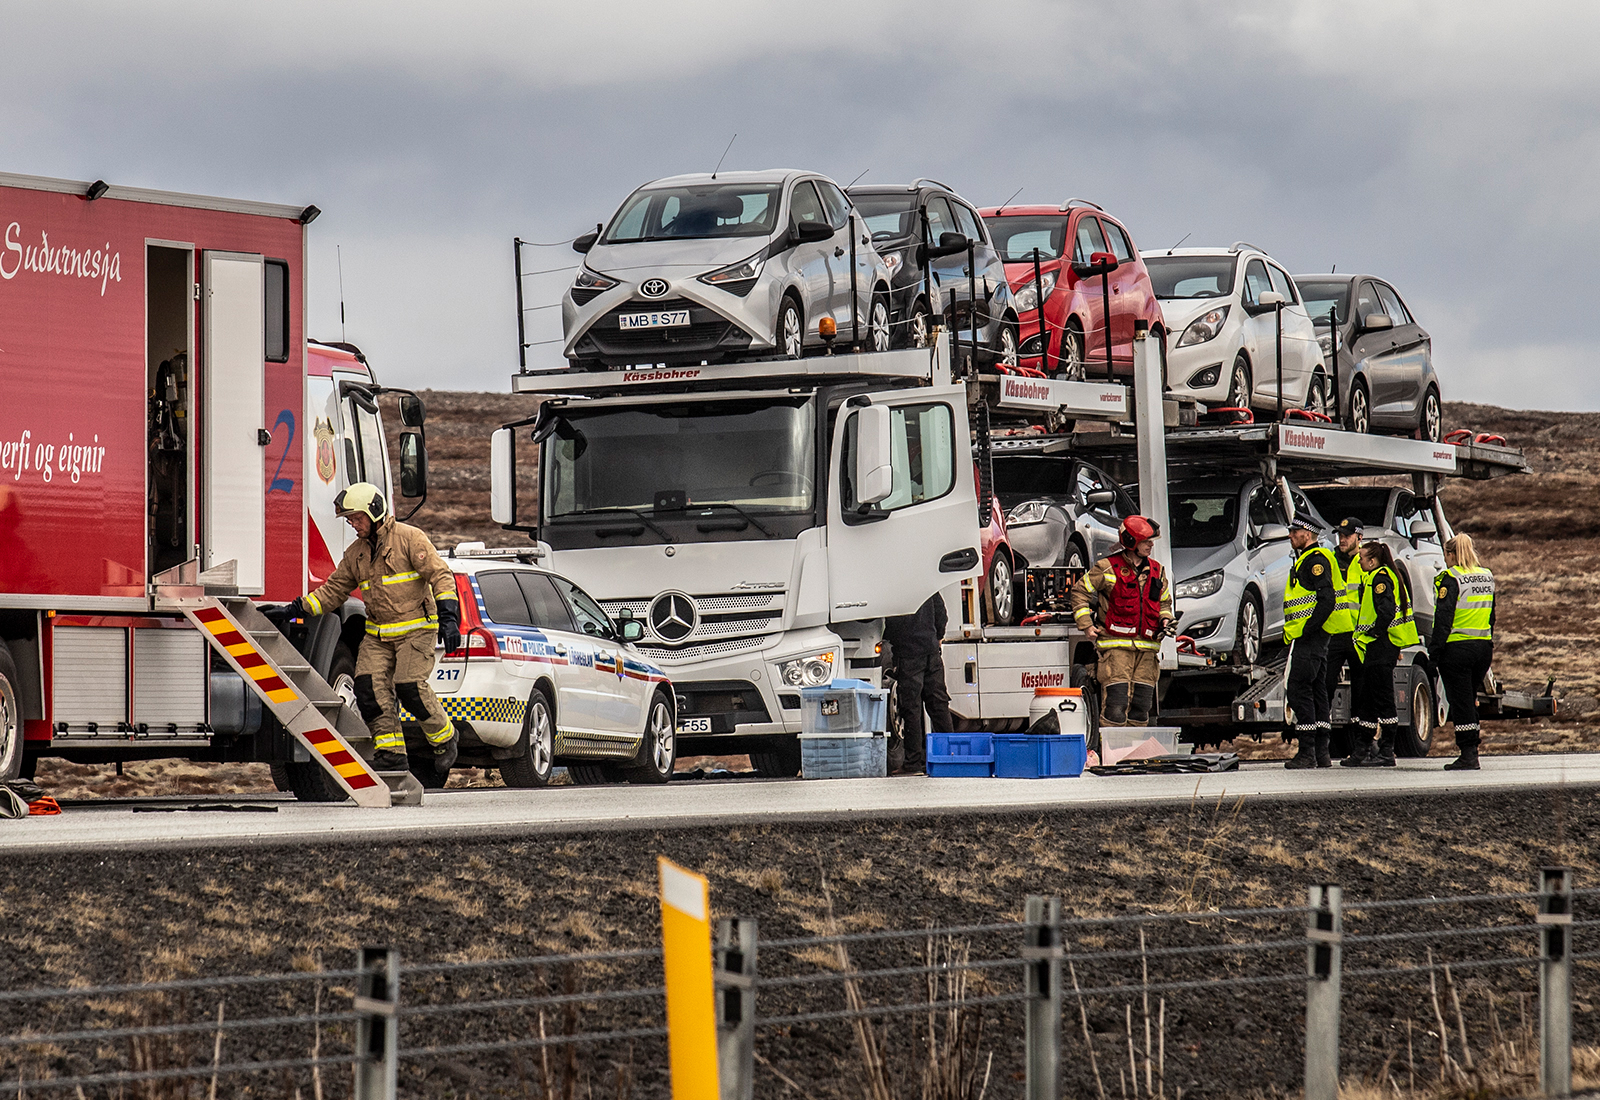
{"type": "Point", "coordinates": [1190, 276]}
{"type": "Point", "coordinates": [1318, 296]}
{"type": "Point", "coordinates": [753, 454]}
{"type": "Point", "coordinates": [700, 211]}
{"type": "Point", "coordinates": [889, 217]}
{"type": "Point", "coordinates": [1204, 519]}
{"type": "Point", "coordinates": [1017, 235]}
{"type": "Point", "coordinates": [1370, 506]}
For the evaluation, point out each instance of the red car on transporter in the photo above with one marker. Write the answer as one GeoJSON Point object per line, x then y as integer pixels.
{"type": "Point", "coordinates": [1087, 262]}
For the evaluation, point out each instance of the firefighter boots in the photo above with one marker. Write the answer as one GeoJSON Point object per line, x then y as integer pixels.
{"type": "Point", "coordinates": [386, 761]}
{"type": "Point", "coordinates": [1324, 760]}
{"type": "Point", "coordinates": [1360, 751]}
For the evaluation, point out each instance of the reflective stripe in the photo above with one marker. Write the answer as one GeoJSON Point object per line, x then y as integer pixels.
{"type": "Point", "coordinates": [1299, 601]}
{"type": "Point", "coordinates": [401, 578]}
{"type": "Point", "coordinates": [1475, 590]}
{"type": "Point", "coordinates": [1467, 633]}
{"type": "Point", "coordinates": [314, 603]}
{"type": "Point", "coordinates": [408, 626]}
{"type": "Point", "coordinates": [1128, 643]}
{"type": "Point", "coordinates": [451, 595]}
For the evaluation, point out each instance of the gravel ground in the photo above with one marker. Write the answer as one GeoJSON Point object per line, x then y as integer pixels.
{"type": "Point", "coordinates": [206, 912]}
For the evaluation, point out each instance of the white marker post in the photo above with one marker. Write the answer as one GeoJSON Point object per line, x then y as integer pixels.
{"type": "Point", "coordinates": [1150, 416]}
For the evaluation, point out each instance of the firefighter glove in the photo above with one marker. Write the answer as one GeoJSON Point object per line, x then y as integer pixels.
{"type": "Point", "coordinates": [449, 626]}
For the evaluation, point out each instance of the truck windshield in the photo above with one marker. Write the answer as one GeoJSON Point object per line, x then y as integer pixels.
{"type": "Point", "coordinates": [1204, 519]}
{"type": "Point", "coordinates": [688, 213]}
{"type": "Point", "coordinates": [755, 454]}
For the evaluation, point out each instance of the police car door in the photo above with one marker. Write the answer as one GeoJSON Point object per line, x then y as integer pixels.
{"type": "Point", "coordinates": [535, 638]}
{"type": "Point", "coordinates": [902, 505]}
{"type": "Point", "coordinates": [616, 706]}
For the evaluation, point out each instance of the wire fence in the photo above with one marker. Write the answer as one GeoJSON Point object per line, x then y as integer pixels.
{"type": "Point", "coordinates": [1045, 1003]}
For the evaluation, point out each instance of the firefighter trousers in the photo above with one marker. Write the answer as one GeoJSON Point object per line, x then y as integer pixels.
{"type": "Point", "coordinates": [1462, 667]}
{"type": "Point", "coordinates": [1127, 684]}
{"type": "Point", "coordinates": [391, 671]}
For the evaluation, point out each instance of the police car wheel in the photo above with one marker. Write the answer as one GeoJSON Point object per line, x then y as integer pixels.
{"type": "Point", "coordinates": [536, 749]}
{"type": "Point", "coordinates": [658, 749]}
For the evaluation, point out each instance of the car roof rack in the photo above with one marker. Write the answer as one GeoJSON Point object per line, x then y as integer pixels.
{"type": "Point", "coordinates": [1070, 203]}
{"type": "Point", "coordinates": [937, 183]}
{"type": "Point", "coordinates": [1240, 246]}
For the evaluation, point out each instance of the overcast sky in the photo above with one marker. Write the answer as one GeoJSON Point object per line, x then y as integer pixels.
{"type": "Point", "coordinates": [1450, 147]}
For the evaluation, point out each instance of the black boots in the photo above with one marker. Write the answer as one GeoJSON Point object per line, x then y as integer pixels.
{"type": "Point", "coordinates": [1466, 762]}
{"type": "Point", "coordinates": [1324, 760]}
{"type": "Point", "coordinates": [1381, 756]}
{"type": "Point", "coordinates": [385, 761]}
{"type": "Point", "coordinates": [1360, 751]}
{"type": "Point", "coordinates": [444, 756]}
{"type": "Point", "coordinates": [1305, 754]}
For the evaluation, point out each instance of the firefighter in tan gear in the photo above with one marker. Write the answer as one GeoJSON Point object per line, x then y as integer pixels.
{"type": "Point", "coordinates": [410, 596]}
{"type": "Point", "coordinates": [1124, 605]}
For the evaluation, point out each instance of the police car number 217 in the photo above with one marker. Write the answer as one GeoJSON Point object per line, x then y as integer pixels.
{"type": "Point", "coordinates": [695, 725]}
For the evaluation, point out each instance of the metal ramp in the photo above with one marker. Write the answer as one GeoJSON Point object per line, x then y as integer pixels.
{"type": "Point", "coordinates": [297, 696]}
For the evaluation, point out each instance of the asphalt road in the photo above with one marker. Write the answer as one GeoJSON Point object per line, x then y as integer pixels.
{"type": "Point", "coordinates": [234, 822]}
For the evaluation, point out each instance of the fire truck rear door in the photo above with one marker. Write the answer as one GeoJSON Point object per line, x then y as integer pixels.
{"type": "Point", "coordinates": [233, 475]}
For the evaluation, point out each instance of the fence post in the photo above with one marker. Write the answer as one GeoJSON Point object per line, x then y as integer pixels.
{"type": "Point", "coordinates": [378, 1030]}
{"type": "Point", "coordinates": [736, 1008]}
{"type": "Point", "coordinates": [1555, 981]}
{"type": "Point", "coordinates": [1325, 931]}
{"type": "Point", "coordinates": [1042, 950]}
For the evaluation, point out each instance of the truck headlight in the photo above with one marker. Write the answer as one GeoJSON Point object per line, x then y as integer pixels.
{"type": "Point", "coordinates": [1206, 584]}
{"type": "Point", "coordinates": [1030, 511]}
{"type": "Point", "coordinates": [813, 671]}
{"type": "Point", "coordinates": [1204, 327]}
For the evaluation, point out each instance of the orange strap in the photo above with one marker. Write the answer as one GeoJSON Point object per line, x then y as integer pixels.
{"type": "Point", "coordinates": [43, 807]}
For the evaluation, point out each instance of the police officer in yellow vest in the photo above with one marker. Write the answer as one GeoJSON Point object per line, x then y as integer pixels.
{"type": "Point", "coordinates": [1308, 602]}
{"type": "Point", "coordinates": [1463, 640]}
{"type": "Point", "coordinates": [1347, 577]}
{"type": "Point", "coordinates": [1384, 627]}
{"type": "Point", "coordinates": [410, 597]}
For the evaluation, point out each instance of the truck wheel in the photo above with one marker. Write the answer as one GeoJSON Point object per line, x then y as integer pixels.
{"type": "Point", "coordinates": [659, 748]}
{"type": "Point", "coordinates": [538, 746]}
{"type": "Point", "coordinates": [1417, 738]}
{"type": "Point", "coordinates": [780, 761]}
{"type": "Point", "coordinates": [10, 719]}
{"type": "Point", "coordinates": [306, 779]}
{"type": "Point", "coordinates": [594, 775]}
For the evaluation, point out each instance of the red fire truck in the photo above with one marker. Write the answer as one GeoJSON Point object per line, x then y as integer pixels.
{"type": "Point", "coordinates": [170, 446]}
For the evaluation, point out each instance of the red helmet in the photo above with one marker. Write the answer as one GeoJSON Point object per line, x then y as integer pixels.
{"type": "Point", "coordinates": [1136, 529]}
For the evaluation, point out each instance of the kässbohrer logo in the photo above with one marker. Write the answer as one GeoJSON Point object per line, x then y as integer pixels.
{"type": "Point", "coordinates": [72, 263]}
{"type": "Point", "coordinates": [1043, 679]}
{"type": "Point", "coordinates": [1314, 441]}
{"type": "Point", "coordinates": [1027, 391]}
{"type": "Point", "coordinates": [659, 375]}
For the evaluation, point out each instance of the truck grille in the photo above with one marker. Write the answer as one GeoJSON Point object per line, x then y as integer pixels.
{"type": "Point", "coordinates": [667, 655]}
{"type": "Point", "coordinates": [717, 616]}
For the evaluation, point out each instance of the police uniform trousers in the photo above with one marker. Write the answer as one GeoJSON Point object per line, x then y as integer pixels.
{"type": "Point", "coordinates": [1307, 684]}
{"type": "Point", "coordinates": [1373, 688]}
{"type": "Point", "coordinates": [1342, 651]}
{"type": "Point", "coordinates": [391, 670]}
{"type": "Point", "coordinates": [1462, 667]}
{"type": "Point", "coordinates": [1127, 678]}
{"type": "Point", "coordinates": [919, 685]}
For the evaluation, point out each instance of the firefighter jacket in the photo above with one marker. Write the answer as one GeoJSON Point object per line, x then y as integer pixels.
{"type": "Point", "coordinates": [1385, 611]}
{"type": "Point", "coordinates": [1347, 578]}
{"type": "Point", "coordinates": [1309, 597]}
{"type": "Point", "coordinates": [1463, 609]}
{"type": "Point", "coordinates": [401, 576]}
{"type": "Point", "coordinates": [1128, 600]}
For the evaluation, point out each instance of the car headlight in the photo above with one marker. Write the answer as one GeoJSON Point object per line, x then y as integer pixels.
{"type": "Point", "coordinates": [1031, 511]}
{"type": "Point", "coordinates": [892, 262]}
{"type": "Point", "coordinates": [1325, 342]}
{"type": "Point", "coordinates": [1205, 584]}
{"type": "Point", "coordinates": [737, 278]}
{"type": "Point", "coordinates": [592, 280]}
{"type": "Point", "coordinates": [1028, 297]}
{"type": "Point", "coordinates": [813, 671]}
{"type": "Point", "coordinates": [1204, 327]}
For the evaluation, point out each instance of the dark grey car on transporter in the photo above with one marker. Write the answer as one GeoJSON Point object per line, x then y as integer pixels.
{"type": "Point", "coordinates": [1385, 376]}
{"type": "Point", "coordinates": [925, 233]}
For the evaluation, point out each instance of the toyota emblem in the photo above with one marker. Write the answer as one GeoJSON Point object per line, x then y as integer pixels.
{"type": "Point", "coordinates": [654, 288]}
{"type": "Point", "coordinates": [673, 616]}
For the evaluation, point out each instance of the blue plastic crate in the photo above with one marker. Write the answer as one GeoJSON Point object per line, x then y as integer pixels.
{"type": "Point", "coordinates": [1025, 756]}
{"type": "Point", "coordinates": [844, 707]}
{"type": "Point", "coordinates": [961, 754]}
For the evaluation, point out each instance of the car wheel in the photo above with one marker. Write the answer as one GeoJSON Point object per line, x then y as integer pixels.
{"type": "Point", "coordinates": [659, 749]}
{"type": "Point", "coordinates": [1417, 738]}
{"type": "Point", "coordinates": [1069, 357]}
{"type": "Point", "coordinates": [1247, 636]}
{"type": "Point", "coordinates": [1360, 418]}
{"type": "Point", "coordinates": [1317, 394]}
{"type": "Point", "coordinates": [920, 329]}
{"type": "Point", "coordinates": [306, 778]}
{"type": "Point", "coordinates": [1005, 348]}
{"type": "Point", "coordinates": [791, 329]}
{"type": "Point", "coordinates": [1430, 424]}
{"type": "Point", "coordinates": [1076, 556]}
{"type": "Point", "coordinates": [1239, 384]}
{"type": "Point", "coordinates": [594, 775]}
{"type": "Point", "coordinates": [780, 761]}
{"type": "Point", "coordinates": [537, 755]}
{"type": "Point", "coordinates": [1002, 600]}
{"type": "Point", "coordinates": [11, 745]}
{"type": "Point", "coordinates": [878, 324]}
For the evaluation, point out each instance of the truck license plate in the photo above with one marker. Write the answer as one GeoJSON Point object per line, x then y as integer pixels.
{"type": "Point", "coordinates": [695, 725]}
{"type": "Point", "coordinates": [668, 318]}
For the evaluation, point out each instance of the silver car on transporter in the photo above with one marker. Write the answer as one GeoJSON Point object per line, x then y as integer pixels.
{"type": "Point", "coordinates": [708, 267]}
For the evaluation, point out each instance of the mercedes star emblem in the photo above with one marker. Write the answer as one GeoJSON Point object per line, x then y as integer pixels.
{"type": "Point", "coordinates": [653, 288]}
{"type": "Point", "coordinates": [673, 616]}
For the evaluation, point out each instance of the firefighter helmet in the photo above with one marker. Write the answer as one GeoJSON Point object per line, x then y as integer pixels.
{"type": "Point", "coordinates": [361, 499]}
{"type": "Point", "coordinates": [1135, 529]}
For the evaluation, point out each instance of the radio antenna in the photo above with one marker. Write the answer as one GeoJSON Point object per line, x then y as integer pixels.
{"type": "Point", "coordinates": [724, 156]}
{"type": "Point", "coordinates": [1185, 237]}
{"type": "Point", "coordinates": [857, 180]}
{"type": "Point", "coordinates": [338, 251]}
{"type": "Point", "coordinates": [1001, 209]}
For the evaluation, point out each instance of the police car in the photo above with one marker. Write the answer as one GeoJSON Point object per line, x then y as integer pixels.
{"type": "Point", "coordinates": [544, 677]}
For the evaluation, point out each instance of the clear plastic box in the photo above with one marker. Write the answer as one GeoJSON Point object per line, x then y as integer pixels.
{"type": "Point", "coordinates": [844, 706]}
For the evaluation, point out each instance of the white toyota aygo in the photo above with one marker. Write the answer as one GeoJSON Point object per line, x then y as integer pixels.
{"type": "Point", "coordinates": [545, 677]}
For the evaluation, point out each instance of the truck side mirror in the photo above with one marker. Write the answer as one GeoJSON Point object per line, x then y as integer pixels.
{"type": "Point", "coordinates": [412, 410]}
{"type": "Point", "coordinates": [632, 630]}
{"type": "Point", "coordinates": [874, 455]}
{"type": "Point", "coordinates": [502, 478]}
{"type": "Point", "coordinates": [413, 466]}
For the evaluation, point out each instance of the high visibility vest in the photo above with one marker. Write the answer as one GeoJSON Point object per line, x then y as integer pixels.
{"type": "Point", "coordinates": [1474, 604]}
{"type": "Point", "coordinates": [1299, 602]}
{"type": "Point", "coordinates": [1346, 596]}
{"type": "Point", "coordinates": [1402, 628]}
